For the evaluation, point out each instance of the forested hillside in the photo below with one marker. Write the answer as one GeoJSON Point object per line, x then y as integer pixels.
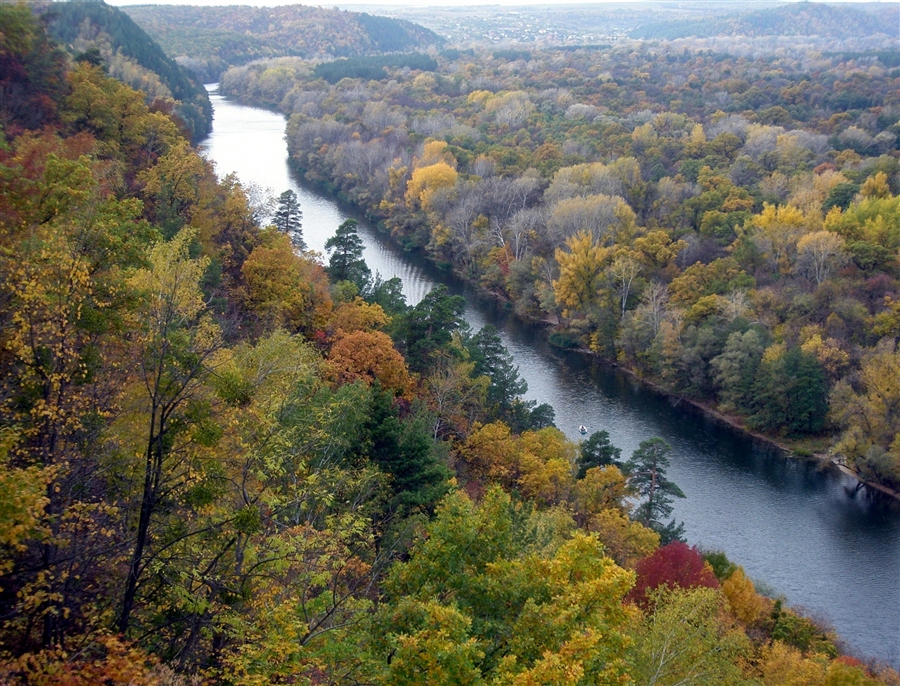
{"type": "Point", "coordinates": [223, 461]}
{"type": "Point", "coordinates": [761, 27]}
{"type": "Point", "coordinates": [727, 227]}
{"type": "Point", "coordinates": [130, 55]}
{"type": "Point", "coordinates": [208, 40]}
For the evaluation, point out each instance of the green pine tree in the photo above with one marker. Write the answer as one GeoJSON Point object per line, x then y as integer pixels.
{"type": "Point", "coordinates": [288, 218]}
{"type": "Point", "coordinates": [346, 261]}
{"type": "Point", "coordinates": [646, 472]}
{"type": "Point", "coordinates": [597, 451]}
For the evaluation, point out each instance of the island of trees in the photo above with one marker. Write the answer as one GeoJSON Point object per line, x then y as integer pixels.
{"type": "Point", "coordinates": [225, 461]}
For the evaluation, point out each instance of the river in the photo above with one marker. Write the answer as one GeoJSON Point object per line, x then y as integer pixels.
{"type": "Point", "coordinates": [797, 531]}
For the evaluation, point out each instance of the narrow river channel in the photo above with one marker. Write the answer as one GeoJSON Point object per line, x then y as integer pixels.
{"type": "Point", "coordinates": [799, 532]}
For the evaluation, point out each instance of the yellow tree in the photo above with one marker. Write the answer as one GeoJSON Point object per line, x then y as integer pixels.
{"type": "Point", "coordinates": [174, 341]}
{"type": "Point", "coordinates": [434, 152]}
{"type": "Point", "coordinates": [432, 643]}
{"type": "Point", "coordinates": [601, 488]}
{"type": "Point", "coordinates": [744, 602]}
{"type": "Point", "coordinates": [719, 277]}
{"type": "Point", "coordinates": [870, 415]}
{"type": "Point", "coordinates": [284, 289]}
{"type": "Point", "coordinates": [887, 322]}
{"type": "Point", "coordinates": [626, 541]}
{"type": "Point", "coordinates": [515, 610]}
{"type": "Point", "coordinates": [50, 285]}
{"type": "Point", "coordinates": [546, 465]}
{"type": "Point", "coordinates": [873, 219]}
{"type": "Point", "coordinates": [425, 181]}
{"type": "Point", "coordinates": [538, 464]}
{"type": "Point", "coordinates": [357, 315]}
{"type": "Point", "coordinates": [23, 501]}
{"type": "Point", "coordinates": [876, 186]}
{"type": "Point", "coordinates": [63, 248]}
{"type": "Point", "coordinates": [775, 231]}
{"type": "Point", "coordinates": [490, 451]}
{"type": "Point", "coordinates": [580, 274]}
{"type": "Point", "coordinates": [828, 352]}
{"type": "Point", "coordinates": [783, 665]}
{"type": "Point", "coordinates": [688, 640]}
{"type": "Point", "coordinates": [809, 191]}
{"type": "Point", "coordinates": [172, 187]}
{"type": "Point", "coordinates": [657, 250]}
{"type": "Point", "coordinates": [271, 576]}
{"type": "Point", "coordinates": [570, 630]}
{"type": "Point", "coordinates": [117, 116]}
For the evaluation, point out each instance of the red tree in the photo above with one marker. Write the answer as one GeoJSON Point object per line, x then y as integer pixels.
{"type": "Point", "coordinates": [676, 565]}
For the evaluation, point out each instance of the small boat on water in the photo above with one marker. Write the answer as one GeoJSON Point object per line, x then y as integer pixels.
{"type": "Point", "coordinates": [582, 429]}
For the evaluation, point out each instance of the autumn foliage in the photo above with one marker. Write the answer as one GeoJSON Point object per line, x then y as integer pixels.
{"type": "Point", "coordinates": [676, 565]}
{"type": "Point", "coordinates": [369, 356]}
{"type": "Point", "coordinates": [605, 190]}
{"type": "Point", "coordinates": [217, 467]}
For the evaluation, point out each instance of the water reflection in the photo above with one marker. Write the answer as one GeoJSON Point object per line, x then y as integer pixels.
{"type": "Point", "coordinates": [802, 531]}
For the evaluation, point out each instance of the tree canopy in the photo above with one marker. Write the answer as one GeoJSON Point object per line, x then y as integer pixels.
{"type": "Point", "coordinates": [216, 465]}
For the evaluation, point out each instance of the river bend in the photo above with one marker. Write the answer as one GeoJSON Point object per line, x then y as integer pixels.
{"type": "Point", "coordinates": [798, 531]}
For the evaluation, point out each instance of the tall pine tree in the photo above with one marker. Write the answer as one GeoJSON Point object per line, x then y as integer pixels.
{"type": "Point", "coordinates": [597, 451]}
{"type": "Point", "coordinates": [646, 471]}
{"type": "Point", "coordinates": [288, 218]}
{"type": "Point", "coordinates": [403, 449]}
{"type": "Point", "coordinates": [493, 360]}
{"type": "Point", "coordinates": [346, 262]}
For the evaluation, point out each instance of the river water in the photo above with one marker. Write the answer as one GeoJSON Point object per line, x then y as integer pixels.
{"type": "Point", "coordinates": [797, 531]}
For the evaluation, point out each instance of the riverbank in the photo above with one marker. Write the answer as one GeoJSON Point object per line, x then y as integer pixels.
{"type": "Point", "coordinates": [549, 324]}
{"type": "Point", "coordinates": [800, 530]}
{"type": "Point", "coordinates": [790, 449]}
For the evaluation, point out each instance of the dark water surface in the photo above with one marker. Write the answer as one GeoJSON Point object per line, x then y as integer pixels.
{"type": "Point", "coordinates": [798, 531]}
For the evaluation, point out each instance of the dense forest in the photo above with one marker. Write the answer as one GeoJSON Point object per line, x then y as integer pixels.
{"type": "Point", "coordinates": [724, 225]}
{"type": "Point", "coordinates": [224, 461]}
{"type": "Point", "coordinates": [108, 36]}
{"type": "Point", "coordinates": [208, 40]}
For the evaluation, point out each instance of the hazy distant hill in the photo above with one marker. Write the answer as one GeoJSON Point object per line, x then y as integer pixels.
{"type": "Point", "coordinates": [131, 56]}
{"type": "Point", "coordinates": [209, 39]}
{"type": "Point", "coordinates": [836, 22]}
{"type": "Point", "coordinates": [834, 27]}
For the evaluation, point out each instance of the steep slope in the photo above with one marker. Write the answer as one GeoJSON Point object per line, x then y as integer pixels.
{"type": "Point", "coordinates": [210, 39]}
{"type": "Point", "coordinates": [105, 33]}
